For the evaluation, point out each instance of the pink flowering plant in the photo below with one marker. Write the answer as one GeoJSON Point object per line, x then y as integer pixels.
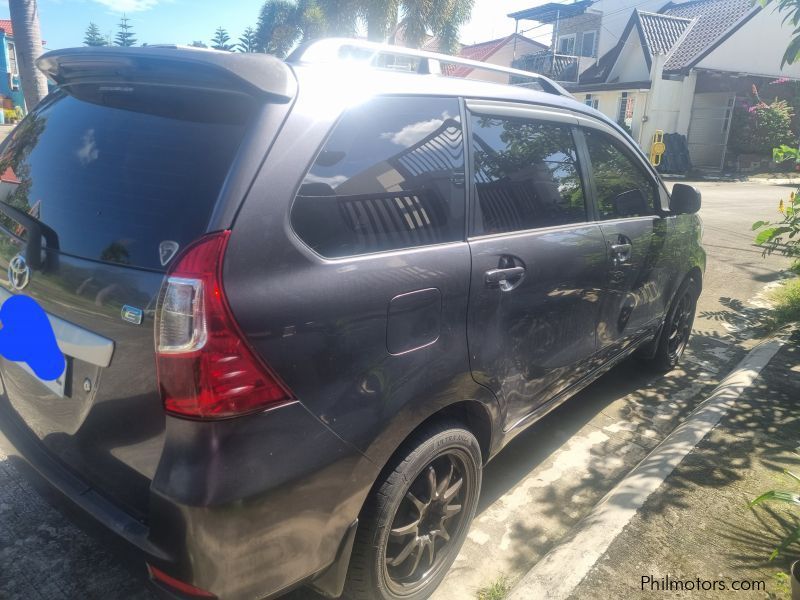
{"type": "Point", "coordinates": [758, 126]}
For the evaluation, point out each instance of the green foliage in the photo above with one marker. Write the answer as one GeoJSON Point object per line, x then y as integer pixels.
{"type": "Point", "coordinates": [93, 36]}
{"type": "Point", "coordinates": [785, 304]}
{"type": "Point", "coordinates": [248, 41]}
{"type": "Point", "coordinates": [283, 23]}
{"type": "Point", "coordinates": [791, 8]}
{"type": "Point", "coordinates": [198, 44]}
{"type": "Point", "coordinates": [279, 27]}
{"type": "Point", "coordinates": [10, 115]}
{"type": "Point", "coordinates": [757, 129]}
{"type": "Point", "coordinates": [498, 590]}
{"type": "Point", "coordinates": [221, 40]}
{"type": "Point", "coordinates": [785, 498]}
{"type": "Point", "coordinates": [125, 36]}
{"type": "Point", "coordinates": [782, 236]}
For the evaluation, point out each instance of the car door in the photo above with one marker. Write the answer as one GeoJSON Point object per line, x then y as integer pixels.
{"type": "Point", "coordinates": [538, 262]}
{"type": "Point", "coordinates": [628, 204]}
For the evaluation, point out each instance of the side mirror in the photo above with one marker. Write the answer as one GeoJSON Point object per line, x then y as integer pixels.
{"type": "Point", "coordinates": [684, 200]}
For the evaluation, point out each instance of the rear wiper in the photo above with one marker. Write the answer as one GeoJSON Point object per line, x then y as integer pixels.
{"type": "Point", "coordinates": [36, 231]}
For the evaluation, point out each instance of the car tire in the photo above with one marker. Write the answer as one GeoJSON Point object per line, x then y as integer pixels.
{"type": "Point", "coordinates": [677, 329]}
{"type": "Point", "coordinates": [416, 517]}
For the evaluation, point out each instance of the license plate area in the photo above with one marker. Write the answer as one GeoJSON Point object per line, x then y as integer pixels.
{"type": "Point", "coordinates": [56, 386]}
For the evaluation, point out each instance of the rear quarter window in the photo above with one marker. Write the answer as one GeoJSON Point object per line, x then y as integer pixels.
{"type": "Point", "coordinates": [116, 185]}
{"type": "Point", "coordinates": [390, 176]}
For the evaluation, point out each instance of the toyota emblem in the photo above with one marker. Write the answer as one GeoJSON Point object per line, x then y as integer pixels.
{"type": "Point", "coordinates": [19, 273]}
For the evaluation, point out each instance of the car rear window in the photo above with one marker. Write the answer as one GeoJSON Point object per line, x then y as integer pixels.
{"type": "Point", "coordinates": [116, 185]}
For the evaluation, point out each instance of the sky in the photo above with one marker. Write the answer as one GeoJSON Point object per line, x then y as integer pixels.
{"type": "Point", "coordinates": [64, 22]}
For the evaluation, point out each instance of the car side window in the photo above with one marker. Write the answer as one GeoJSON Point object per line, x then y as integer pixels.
{"type": "Point", "coordinates": [624, 188]}
{"type": "Point", "coordinates": [390, 176]}
{"type": "Point", "coordinates": [526, 175]}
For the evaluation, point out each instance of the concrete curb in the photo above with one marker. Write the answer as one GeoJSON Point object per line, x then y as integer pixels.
{"type": "Point", "coordinates": [562, 569]}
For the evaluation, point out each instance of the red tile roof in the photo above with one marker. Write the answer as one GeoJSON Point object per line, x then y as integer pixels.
{"type": "Point", "coordinates": [9, 176]}
{"type": "Point", "coordinates": [483, 51]}
{"type": "Point", "coordinates": [5, 25]}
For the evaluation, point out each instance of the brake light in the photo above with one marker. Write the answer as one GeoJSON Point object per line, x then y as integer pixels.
{"type": "Point", "coordinates": [176, 584]}
{"type": "Point", "coordinates": [206, 369]}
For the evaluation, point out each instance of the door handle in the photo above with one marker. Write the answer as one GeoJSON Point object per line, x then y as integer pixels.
{"type": "Point", "coordinates": [621, 253]}
{"type": "Point", "coordinates": [502, 276]}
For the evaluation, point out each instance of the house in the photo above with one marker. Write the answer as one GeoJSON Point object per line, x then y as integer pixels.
{"type": "Point", "coordinates": [678, 67]}
{"type": "Point", "coordinates": [10, 89]}
{"type": "Point", "coordinates": [680, 70]}
{"type": "Point", "coordinates": [501, 52]}
{"type": "Point", "coordinates": [581, 31]}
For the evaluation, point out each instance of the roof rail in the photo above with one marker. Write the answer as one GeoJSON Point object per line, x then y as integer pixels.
{"type": "Point", "coordinates": [330, 50]}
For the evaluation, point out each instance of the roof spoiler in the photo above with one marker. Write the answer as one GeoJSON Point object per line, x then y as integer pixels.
{"type": "Point", "coordinates": [258, 75]}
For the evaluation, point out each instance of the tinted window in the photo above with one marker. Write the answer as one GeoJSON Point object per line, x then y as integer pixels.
{"type": "Point", "coordinates": [116, 185]}
{"type": "Point", "coordinates": [526, 175]}
{"type": "Point", "coordinates": [624, 188]}
{"type": "Point", "coordinates": [390, 176]}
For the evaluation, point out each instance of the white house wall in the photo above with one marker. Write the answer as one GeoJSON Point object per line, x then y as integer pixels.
{"type": "Point", "coordinates": [608, 104]}
{"type": "Point", "coordinates": [616, 14]}
{"type": "Point", "coordinates": [755, 48]}
{"type": "Point", "coordinates": [665, 103]}
{"type": "Point", "coordinates": [630, 65]}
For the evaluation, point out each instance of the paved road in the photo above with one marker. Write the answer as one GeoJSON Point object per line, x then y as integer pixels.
{"type": "Point", "coordinates": [534, 492]}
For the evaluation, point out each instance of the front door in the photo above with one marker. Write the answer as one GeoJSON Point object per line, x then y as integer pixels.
{"type": "Point", "coordinates": [537, 262]}
{"type": "Point", "coordinates": [628, 201]}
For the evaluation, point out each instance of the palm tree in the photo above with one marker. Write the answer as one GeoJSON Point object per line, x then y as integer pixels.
{"type": "Point", "coordinates": [418, 19]}
{"type": "Point", "coordinates": [277, 29]}
{"type": "Point", "coordinates": [28, 38]}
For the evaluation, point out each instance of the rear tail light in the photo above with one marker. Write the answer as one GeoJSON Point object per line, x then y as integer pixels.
{"type": "Point", "coordinates": [177, 585]}
{"type": "Point", "coordinates": [206, 369]}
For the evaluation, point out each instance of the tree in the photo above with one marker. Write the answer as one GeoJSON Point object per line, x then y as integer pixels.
{"type": "Point", "coordinates": [248, 41]}
{"type": "Point", "coordinates": [278, 27]}
{"type": "Point", "coordinates": [198, 44]}
{"type": "Point", "coordinates": [221, 39]}
{"type": "Point", "coordinates": [125, 36]}
{"type": "Point", "coordinates": [418, 19]}
{"type": "Point", "coordinates": [28, 38]}
{"type": "Point", "coordinates": [93, 36]}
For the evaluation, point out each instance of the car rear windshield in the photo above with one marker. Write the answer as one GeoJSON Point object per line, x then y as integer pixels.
{"type": "Point", "coordinates": [114, 184]}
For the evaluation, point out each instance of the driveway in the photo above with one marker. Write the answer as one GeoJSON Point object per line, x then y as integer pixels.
{"type": "Point", "coordinates": [536, 490]}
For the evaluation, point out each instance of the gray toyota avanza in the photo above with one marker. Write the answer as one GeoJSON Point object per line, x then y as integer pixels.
{"type": "Point", "coordinates": [303, 303]}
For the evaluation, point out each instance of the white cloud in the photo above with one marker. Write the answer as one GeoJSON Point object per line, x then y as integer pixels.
{"type": "Point", "coordinates": [88, 152]}
{"type": "Point", "coordinates": [129, 6]}
{"type": "Point", "coordinates": [334, 181]}
{"type": "Point", "coordinates": [413, 133]}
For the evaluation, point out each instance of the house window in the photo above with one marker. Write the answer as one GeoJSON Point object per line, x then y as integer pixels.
{"type": "Point", "coordinates": [625, 110]}
{"type": "Point", "coordinates": [591, 100]}
{"type": "Point", "coordinates": [566, 44]}
{"type": "Point", "coordinates": [588, 43]}
{"type": "Point", "coordinates": [12, 59]}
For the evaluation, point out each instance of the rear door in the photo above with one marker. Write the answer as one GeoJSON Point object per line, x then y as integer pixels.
{"type": "Point", "coordinates": [538, 262]}
{"type": "Point", "coordinates": [628, 203]}
{"type": "Point", "coordinates": [121, 182]}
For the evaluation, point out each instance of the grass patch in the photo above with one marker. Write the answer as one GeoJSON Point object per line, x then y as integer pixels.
{"type": "Point", "coordinates": [786, 304]}
{"type": "Point", "coordinates": [496, 591]}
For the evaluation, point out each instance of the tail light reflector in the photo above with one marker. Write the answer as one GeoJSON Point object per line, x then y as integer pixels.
{"type": "Point", "coordinates": [206, 368]}
{"type": "Point", "coordinates": [176, 584]}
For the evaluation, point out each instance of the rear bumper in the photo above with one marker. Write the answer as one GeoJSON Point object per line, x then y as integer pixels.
{"type": "Point", "coordinates": [244, 508]}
